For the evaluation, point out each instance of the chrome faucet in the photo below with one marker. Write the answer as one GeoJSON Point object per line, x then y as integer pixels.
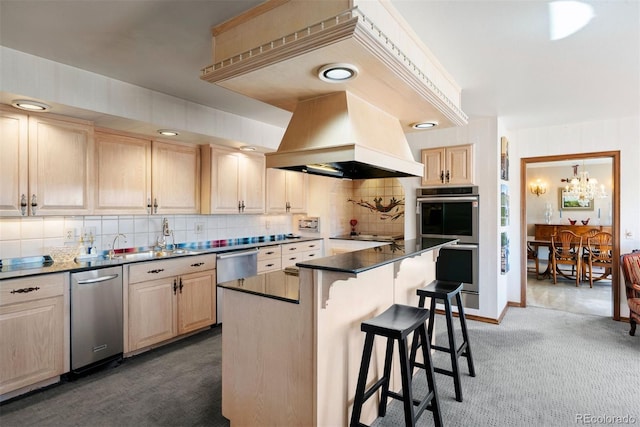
{"type": "Point", "coordinates": [112, 251]}
{"type": "Point", "coordinates": [165, 227]}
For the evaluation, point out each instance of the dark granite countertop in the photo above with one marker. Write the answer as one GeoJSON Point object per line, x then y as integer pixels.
{"type": "Point", "coordinates": [8, 271]}
{"type": "Point", "coordinates": [367, 259]}
{"type": "Point", "coordinates": [288, 289]}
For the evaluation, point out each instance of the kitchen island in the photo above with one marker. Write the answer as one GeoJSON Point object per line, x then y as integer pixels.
{"type": "Point", "coordinates": [295, 361]}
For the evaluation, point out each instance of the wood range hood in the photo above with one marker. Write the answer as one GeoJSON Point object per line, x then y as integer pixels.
{"type": "Point", "coordinates": [353, 129]}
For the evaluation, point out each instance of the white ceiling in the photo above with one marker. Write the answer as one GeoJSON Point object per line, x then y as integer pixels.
{"type": "Point", "coordinates": [498, 52]}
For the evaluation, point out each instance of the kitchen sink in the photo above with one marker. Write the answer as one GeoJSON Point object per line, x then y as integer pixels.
{"type": "Point", "coordinates": [137, 256]}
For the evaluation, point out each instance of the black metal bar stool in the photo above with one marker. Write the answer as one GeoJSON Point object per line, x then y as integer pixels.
{"type": "Point", "coordinates": [446, 291]}
{"type": "Point", "coordinates": [396, 323]}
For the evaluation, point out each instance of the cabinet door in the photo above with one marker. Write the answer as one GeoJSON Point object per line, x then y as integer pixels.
{"type": "Point", "coordinates": [196, 301]}
{"type": "Point", "coordinates": [434, 167]}
{"type": "Point", "coordinates": [123, 174]}
{"type": "Point", "coordinates": [252, 183]}
{"type": "Point", "coordinates": [13, 163]}
{"type": "Point", "coordinates": [276, 191]}
{"type": "Point", "coordinates": [296, 190]}
{"type": "Point", "coordinates": [60, 164]}
{"type": "Point", "coordinates": [31, 342]}
{"type": "Point", "coordinates": [175, 181]}
{"type": "Point", "coordinates": [459, 163]}
{"type": "Point", "coordinates": [225, 185]}
{"type": "Point", "coordinates": [152, 312]}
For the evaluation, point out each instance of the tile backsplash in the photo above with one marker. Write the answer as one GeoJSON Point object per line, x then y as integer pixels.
{"type": "Point", "coordinates": [378, 206]}
{"type": "Point", "coordinates": [33, 236]}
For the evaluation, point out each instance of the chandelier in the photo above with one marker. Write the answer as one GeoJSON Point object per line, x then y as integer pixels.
{"type": "Point", "coordinates": [581, 187]}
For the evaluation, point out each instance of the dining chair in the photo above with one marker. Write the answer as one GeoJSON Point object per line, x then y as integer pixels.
{"type": "Point", "coordinates": [566, 249]}
{"type": "Point", "coordinates": [599, 253]}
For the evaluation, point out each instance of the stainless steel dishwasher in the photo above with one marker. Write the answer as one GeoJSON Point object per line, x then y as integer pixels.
{"type": "Point", "coordinates": [96, 317]}
{"type": "Point", "coordinates": [231, 266]}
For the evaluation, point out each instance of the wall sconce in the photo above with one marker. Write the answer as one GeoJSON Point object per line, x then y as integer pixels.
{"type": "Point", "coordinates": [538, 187]}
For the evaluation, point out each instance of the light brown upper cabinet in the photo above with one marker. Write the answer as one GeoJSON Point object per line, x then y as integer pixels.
{"type": "Point", "coordinates": [448, 165]}
{"type": "Point", "coordinates": [123, 174]}
{"type": "Point", "coordinates": [175, 178]}
{"type": "Point", "coordinates": [286, 191]}
{"type": "Point", "coordinates": [135, 175]}
{"type": "Point", "coordinates": [45, 165]}
{"type": "Point", "coordinates": [232, 182]}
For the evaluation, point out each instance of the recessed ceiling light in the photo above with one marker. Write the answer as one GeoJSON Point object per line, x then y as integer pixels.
{"type": "Point", "coordinates": [26, 104]}
{"type": "Point", "coordinates": [247, 148]}
{"type": "Point", "coordinates": [337, 73]}
{"type": "Point", "coordinates": [424, 125]}
{"type": "Point", "coordinates": [168, 132]}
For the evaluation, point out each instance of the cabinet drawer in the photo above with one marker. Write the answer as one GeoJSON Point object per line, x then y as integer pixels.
{"type": "Point", "coordinates": [314, 245]}
{"type": "Point", "coordinates": [268, 252]}
{"type": "Point", "coordinates": [290, 259]}
{"type": "Point", "coordinates": [31, 288]}
{"type": "Point", "coordinates": [171, 267]}
{"type": "Point", "coordinates": [292, 248]}
{"type": "Point", "coordinates": [312, 254]}
{"type": "Point", "coordinates": [269, 265]}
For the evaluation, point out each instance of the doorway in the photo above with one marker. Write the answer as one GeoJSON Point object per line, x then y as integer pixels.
{"type": "Point", "coordinates": [613, 213]}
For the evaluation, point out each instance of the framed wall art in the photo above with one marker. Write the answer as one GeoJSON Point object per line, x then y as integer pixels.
{"type": "Point", "coordinates": [504, 158]}
{"type": "Point", "coordinates": [570, 202]}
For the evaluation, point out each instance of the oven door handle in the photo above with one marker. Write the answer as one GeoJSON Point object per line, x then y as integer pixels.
{"type": "Point", "coordinates": [461, 246]}
{"type": "Point", "coordinates": [449, 199]}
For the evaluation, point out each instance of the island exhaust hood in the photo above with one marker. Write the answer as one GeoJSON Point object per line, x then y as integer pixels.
{"type": "Point", "coordinates": [340, 135]}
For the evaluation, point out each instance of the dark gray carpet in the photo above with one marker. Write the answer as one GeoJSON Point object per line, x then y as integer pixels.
{"type": "Point", "coordinates": [539, 367]}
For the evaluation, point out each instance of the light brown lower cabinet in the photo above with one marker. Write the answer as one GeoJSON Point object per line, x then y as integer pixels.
{"type": "Point", "coordinates": [32, 331]}
{"type": "Point", "coordinates": [167, 307]}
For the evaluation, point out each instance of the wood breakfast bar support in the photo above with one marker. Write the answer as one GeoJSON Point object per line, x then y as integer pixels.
{"type": "Point", "coordinates": [288, 362]}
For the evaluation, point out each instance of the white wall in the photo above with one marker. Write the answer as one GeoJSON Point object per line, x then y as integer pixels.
{"type": "Point", "coordinates": [552, 175]}
{"type": "Point", "coordinates": [31, 76]}
{"type": "Point", "coordinates": [621, 134]}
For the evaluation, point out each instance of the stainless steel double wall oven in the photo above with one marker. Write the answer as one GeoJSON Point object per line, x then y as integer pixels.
{"type": "Point", "coordinates": [453, 212]}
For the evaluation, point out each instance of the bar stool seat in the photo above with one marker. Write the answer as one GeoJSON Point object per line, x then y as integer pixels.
{"type": "Point", "coordinates": [446, 291]}
{"type": "Point", "coordinates": [396, 323]}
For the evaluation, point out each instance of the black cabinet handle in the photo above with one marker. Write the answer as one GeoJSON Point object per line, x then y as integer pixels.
{"type": "Point", "coordinates": [23, 205]}
{"type": "Point", "coordinates": [24, 290]}
{"type": "Point", "coordinates": [34, 204]}
{"type": "Point", "coordinates": [175, 286]}
{"type": "Point", "coordinates": [181, 285]}
{"type": "Point", "coordinates": [197, 264]}
{"type": "Point", "coordinates": [447, 176]}
{"type": "Point", "coordinates": [442, 177]}
{"type": "Point", "coordinates": [156, 271]}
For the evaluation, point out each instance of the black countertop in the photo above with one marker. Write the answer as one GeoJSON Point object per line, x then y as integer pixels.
{"type": "Point", "coordinates": [8, 271]}
{"type": "Point", "coordinates": [288, 289]}
{"type": "Point", "coordinates": [367, 259]}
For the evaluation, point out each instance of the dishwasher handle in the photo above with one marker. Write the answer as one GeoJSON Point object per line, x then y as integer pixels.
{"type": "Point", "coordinates": [237, 254]}
{"type": "Point", "coordinates": [97, 279]}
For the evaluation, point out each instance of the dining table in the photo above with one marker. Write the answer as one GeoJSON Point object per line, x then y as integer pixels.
{"type": "Point", "coordinates": [536, 244]}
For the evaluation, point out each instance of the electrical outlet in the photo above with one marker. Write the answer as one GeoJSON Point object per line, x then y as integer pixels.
{"type": "Point", "coordinates": [199, 228]}
{"type": "Point", "coordinates": [628, 234]}
{"type": "Point", "coordinates": [267, 224]}
{"type": "Point", "coordinates": [69, 235]}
